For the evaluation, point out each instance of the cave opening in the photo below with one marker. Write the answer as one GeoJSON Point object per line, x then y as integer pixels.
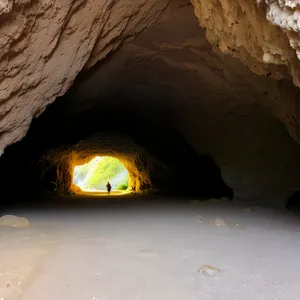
{"type": "Point", "coordinates": [93, 176]}
{"type": "Point", "coordinates": [156, 158]}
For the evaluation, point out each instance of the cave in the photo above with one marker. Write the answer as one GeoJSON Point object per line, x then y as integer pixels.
{"type": "Point", "coordinates": [185, 118]}
{"type": "Point", "coordinates": [197, 100]}
{"type": "Point", "coordinates": [102, 175]}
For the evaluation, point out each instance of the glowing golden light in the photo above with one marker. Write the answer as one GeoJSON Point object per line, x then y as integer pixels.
{"type": "Point", "coordinates": [101, 171]}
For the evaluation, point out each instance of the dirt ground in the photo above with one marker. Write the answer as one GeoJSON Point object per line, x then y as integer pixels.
{"type": "Point", "coordinates": [152, 249]}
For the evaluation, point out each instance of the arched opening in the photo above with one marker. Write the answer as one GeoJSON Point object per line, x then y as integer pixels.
{"type": "Point", "coordinates": [155, 170]}
{"type": "Point", "coordinates": [113, 157]}
{"type": "Point", "coordinates": [94, 176]}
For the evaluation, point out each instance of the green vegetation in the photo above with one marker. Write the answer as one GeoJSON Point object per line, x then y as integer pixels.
{"type": "Point", "coordinates": [96, 173]}
{"type": "Point", "coordinates": [123, 186]}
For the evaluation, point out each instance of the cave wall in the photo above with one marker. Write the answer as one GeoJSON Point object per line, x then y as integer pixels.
{"type": "Point", "coordinates": [155, 163]}
{"type": "Point", "coordinates": [258, 159]}
{"type": "Point", "coordinates": [138, 162]}
{"type": "Point", "coordinates": [153, 60]}
{"type": "Point", "coordinates": [44, 45]}
{"type": "Point", "coordinates": [222, 108]}
{"type": "Point", "coordinates": [263, 34]}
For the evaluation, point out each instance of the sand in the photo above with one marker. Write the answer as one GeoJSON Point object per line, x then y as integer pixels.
{"type": "Point", "coordinates": [150, 249]}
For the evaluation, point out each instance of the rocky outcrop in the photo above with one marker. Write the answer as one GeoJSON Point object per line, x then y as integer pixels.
{"type": "Point", "coordinates": [263, 34]}
{"type": "Point", "coordinates": [45, 44]}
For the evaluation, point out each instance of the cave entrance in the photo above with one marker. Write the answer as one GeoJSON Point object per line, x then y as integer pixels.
{"type": "Point", "coordinates": [92, 177]}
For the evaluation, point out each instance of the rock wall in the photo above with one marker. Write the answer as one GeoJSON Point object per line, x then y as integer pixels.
{"type": "Point", "coordinates": [220, 106]}
{"type": "Point", "coordinates": [263, 34]}
{"type": "Point", "coordinates": [136, 160]}
{"type": "Point", "coordinates": [45, 44]}
{"type": "Point", "coordinates": [258, 159]}
{"type": "Point", "coordinates": [164, 66]}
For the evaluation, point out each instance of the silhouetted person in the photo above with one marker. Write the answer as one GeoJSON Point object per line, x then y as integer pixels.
{"type": "Point", "coordinates": [108, 187]}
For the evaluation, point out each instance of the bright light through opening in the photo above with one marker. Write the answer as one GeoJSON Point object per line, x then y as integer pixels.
{"type": "Point", "coordinates": [94, 175]}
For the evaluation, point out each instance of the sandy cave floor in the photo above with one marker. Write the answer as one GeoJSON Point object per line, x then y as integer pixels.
{"type": "Point", "coordinates": [150, 249]}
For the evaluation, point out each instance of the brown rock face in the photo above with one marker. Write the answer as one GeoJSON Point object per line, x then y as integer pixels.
{"type": "Point", "coordinates": [263, 34]}
{"type": "Point", "coordinates": [45, 44]}
{"type": "Point", "coordinates": [151, 61]}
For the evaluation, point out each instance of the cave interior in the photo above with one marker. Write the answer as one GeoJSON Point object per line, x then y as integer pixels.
{"type": "Point", "coordinates": [185, 119]}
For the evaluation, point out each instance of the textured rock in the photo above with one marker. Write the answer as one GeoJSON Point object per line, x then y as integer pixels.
{"type": "Point", "coordinates": [45, 44]}
{"type": "Point", "coordinates": [135, 159]}
{"type": "Point", "coordinates": [209, 271]}
{"type": "Point", "coordinates": [14, 221]}
{"type": "Point", "coordinates": [220, 106]}
{"type": "Point", "coordinates": [263, 34]}
{"type": "Point", "coordinates": [218, 222]}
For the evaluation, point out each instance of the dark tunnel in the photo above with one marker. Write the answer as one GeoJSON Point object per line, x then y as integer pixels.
{"type": "Point", "coordinates": [173, 167]}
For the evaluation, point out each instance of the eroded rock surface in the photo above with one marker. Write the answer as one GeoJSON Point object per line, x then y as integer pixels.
{"type": "Point", "coordinates": [263, 34]}
{"type": "Point", "coordinates": [45, 44]}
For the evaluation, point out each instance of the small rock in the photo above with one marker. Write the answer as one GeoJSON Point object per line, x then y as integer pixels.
{"type": "Point", "coordinates": [14, 221]}
{"type": "Point", "coordinates": [218, 222]}
{"type": "Point", "coordinates": [209, 271]}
